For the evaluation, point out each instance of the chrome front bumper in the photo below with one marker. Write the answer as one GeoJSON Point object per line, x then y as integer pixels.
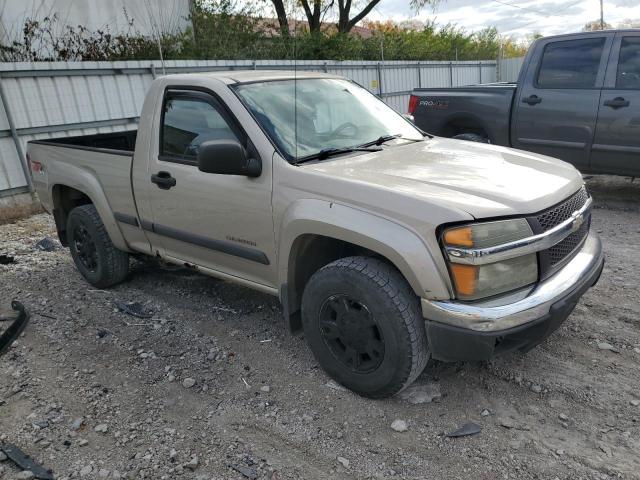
{"type": "Point", "coordinates": [573, 277]}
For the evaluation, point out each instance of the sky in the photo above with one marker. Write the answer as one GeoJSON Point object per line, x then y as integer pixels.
{"type": "Point", "coordinates": [516, 18]}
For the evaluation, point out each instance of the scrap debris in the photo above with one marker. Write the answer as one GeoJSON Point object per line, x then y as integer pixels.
{"type": "Point", "coordinates": [20, 319]}
{"type": "Point", "coordinates": [245, 471]}
{"type": "Point", "coordinates": [25, 462]}
{"type": "Point", "coordinates": [7, 259]}
{"type": "Point", "coordinates": [467, 429]}
{"type": "Point", "coordinates": [135, 309]}
{"type": "Point", "coordinates": [46, 245]}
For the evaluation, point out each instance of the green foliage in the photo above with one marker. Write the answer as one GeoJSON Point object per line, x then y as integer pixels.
{"type": "Point", "coordinates": [40, 41]}
{"type": "Point", "coordinates": [228, 29]}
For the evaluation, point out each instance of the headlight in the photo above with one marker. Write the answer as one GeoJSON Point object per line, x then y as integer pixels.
{"type": "Point", "coordinates": [473, 282]}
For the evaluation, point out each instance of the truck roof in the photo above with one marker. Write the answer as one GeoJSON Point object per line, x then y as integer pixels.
{"type": "Point", "coordinates": [594, 32]}
{"type": "Point", "coordinates": [248, 76]}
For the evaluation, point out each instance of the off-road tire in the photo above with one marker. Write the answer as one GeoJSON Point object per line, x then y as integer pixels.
{"type": "Point", "coordinates": [111, 264]}
{"type": "Point", "coordinates": [390, 301]}
{"type": "Point", "coordinates": [472, 137]}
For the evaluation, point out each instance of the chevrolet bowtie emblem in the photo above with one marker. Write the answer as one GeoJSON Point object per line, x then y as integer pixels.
{"type": "Point", "coordinates": [577, 223]}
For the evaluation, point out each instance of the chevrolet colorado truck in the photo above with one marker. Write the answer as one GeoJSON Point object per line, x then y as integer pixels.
{"type": "Point", "coordinates": [386, 246]}
{"type": "Point", "coordinates": [576, 99]}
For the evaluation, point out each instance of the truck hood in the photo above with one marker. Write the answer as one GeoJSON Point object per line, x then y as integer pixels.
{"type": "Point", "coordinates": [482, 180]}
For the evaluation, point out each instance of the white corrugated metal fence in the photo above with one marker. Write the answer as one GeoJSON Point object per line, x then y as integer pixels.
{"type": "Point", "coordinates": [509, 69]}
{"type": "Point", "coordinates": [55, 99]}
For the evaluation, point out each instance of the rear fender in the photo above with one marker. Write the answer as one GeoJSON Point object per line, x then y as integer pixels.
{"type": "Point", "coordinates": [83, 181]}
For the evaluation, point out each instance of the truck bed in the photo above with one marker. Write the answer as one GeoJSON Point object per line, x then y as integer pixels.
{"type": "Point", "coordinates": [479, 87]}
{"type": "Point", "coordinates": [123, 142]}
{"type": "Point", "coordinates": [98, 163]}
{"type": "Point", "coordinates": [448, 112]}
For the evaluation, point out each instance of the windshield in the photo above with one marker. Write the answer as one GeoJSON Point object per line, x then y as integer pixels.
{"type": "Point", "coordinates": [304, 117]}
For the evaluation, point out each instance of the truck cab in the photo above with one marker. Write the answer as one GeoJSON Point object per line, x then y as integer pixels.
{"type": "Point", "coordinates": [575, 99]}
{"type": "Point", "coordinates": [385, 245]}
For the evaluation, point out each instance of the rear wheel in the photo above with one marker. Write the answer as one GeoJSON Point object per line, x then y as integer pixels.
{"type": "Point", "coordinates": [363, 323]}
{"type": "Point", "coordinates": [95, 256]}
{"type": "Point", "coordinates": [472, 137]}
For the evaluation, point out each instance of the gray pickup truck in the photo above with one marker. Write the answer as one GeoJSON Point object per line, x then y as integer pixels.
{"type": "Point", "coordinates": [577, 99]}
{"type": "Point", "coordinates": [385, 246]}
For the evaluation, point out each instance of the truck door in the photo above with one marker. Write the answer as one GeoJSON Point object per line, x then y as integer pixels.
{"type": "Point", "coordinates": [557, 103]}
{"type": "Point", "coordinates": [220, 222]}
{"type": "Point", "coordinates": [616, 148]}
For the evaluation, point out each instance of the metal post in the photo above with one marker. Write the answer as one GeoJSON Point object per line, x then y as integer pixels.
{"type": "Point", "coordinates": [326, 68]}
{"type": "Point", "coordinates": [153, 71]}
{"type": "Point", "coordinates": [419, 75]}
{"type": "Point", "coordinates": [480, 69]}
{"type": "Point", "coordinates": [379, 79]}
{"type": "Point", "coordinates": [16, 139]}
{"type": "Point", "coordinates": [451, 73]}
{"type": "Point", "coordinates": [255, 65]}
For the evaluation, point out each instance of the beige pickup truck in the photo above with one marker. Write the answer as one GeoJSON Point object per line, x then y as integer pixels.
{"type": "Point", "coordinates": [386, 245]}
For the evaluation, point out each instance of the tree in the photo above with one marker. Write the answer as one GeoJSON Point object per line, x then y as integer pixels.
{"type": "Point", "coordinates": [594, 26]}
{"type": "Point", "coordinates": [315, 10]}
{"type": "Point", "coordinates": [629, 23]}
{"type": "Point", "coordinates": [281, 13]}
{"type": "Point", "coordinates": [345, 21]}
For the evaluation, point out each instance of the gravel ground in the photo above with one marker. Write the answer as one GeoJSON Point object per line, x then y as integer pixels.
{"type": "Point", "coordinates": [212, 387]}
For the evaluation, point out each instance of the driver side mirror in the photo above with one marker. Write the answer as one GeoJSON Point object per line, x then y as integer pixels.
{"type": "Point", "coordinates": [227, 157]}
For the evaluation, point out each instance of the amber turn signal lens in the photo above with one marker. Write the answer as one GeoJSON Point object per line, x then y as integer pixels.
{"type": "Point", "coordinates": [464, 278]}
{"type": "Point", "coordinates": [459, 237]}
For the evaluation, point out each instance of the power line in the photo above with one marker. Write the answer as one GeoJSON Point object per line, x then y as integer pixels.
{"type": "Point", "coordinates": [501, 2]}
{"type": "Point", "coordinates": [556, 13]}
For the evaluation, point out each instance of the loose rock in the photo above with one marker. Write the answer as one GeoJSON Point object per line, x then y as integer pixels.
{"type": "Point", "coordinates": [188, 382]}
{"type": "Point", "coordinates": [102, 428]}
{"type": "Point", "coordinates": [192, 464]}
{"type": "Point", "coordinates": [399, 426]}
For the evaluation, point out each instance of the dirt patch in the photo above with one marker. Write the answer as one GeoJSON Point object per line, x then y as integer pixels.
{"type": "Point", "coordinates": [17, 207]}
{"type": "Point", "coordinates": [213, 387]}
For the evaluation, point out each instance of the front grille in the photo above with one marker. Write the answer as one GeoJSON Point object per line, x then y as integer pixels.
{"type": "Point", "coordinates": [553, 258]}
{"type": "Point", "coordinates": [562, 250]}
{"type": "Point", "coordinates": [558, 214]}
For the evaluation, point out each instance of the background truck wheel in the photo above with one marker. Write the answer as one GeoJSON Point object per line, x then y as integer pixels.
{"type": "Point", "coordinates": [472, 137]}
{"type": "Point", "coordinates": [102, 264]}
{"type": "Point", "coordinates": [363, 323]}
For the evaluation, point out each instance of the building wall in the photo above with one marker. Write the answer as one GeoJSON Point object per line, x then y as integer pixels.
{"type": "Point", "coordinates": [148, 16]}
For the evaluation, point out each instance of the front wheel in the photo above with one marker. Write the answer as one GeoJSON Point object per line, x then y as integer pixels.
{"type": "Point", "coordinates": [363, 323]}
{"type": "Point", "coordinates": [95, 256]}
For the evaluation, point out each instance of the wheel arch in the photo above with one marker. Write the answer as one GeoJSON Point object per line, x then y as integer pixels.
{"type": "Point", "coordinates": [67, 197]}
{"type": "Point", "coordinates": [310, 242]}
{"type": "Point", "coordinates": [465, 123]}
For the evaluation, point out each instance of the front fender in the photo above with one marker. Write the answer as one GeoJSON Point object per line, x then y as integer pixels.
{"type": "Point", "coordinates": [397, 243]}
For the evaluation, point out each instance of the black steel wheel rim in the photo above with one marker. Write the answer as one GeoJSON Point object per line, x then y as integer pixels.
{"type": "Point", "coordinates": [85, 248]}
{"type": "Point", "coordinates": [351, 333]}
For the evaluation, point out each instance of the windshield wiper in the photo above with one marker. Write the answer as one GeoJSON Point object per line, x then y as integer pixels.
{"type": "Point", "coordinates": [386, 138]}
{"type": "Point", "coordinates": [329, 152]}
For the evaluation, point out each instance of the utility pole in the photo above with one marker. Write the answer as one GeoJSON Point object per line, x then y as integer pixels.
{"type": "Point", "coordinates": [601, 15]}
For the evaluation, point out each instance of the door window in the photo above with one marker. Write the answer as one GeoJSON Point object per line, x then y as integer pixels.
{"type": "Point", "coordinates": [187, 122]}
{"type": "Point", "coordinates": [628, 76]}
{"type": "Point", "coordinates": [571, 64]}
